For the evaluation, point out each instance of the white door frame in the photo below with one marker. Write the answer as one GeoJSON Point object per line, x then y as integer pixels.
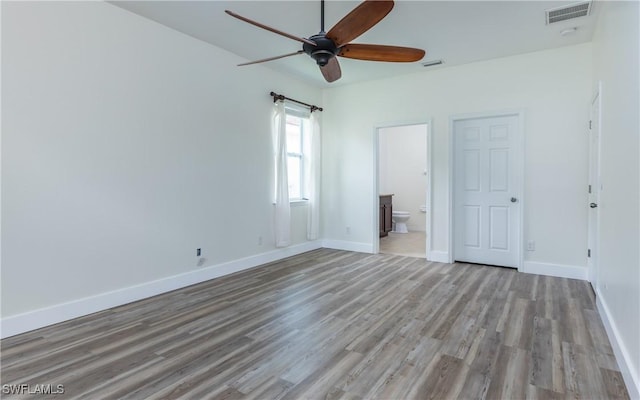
{"type": "Point", "coordinates": [592, 262]}
{"type": "Point", "coordinates": [520, 154]}
{"type": "Point", "coordinates": [376, 182]}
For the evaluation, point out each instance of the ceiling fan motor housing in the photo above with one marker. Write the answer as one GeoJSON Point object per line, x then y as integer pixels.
{"type": "Point", "coordinates": [324, 50]}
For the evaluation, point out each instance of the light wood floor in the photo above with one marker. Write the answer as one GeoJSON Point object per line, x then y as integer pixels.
{"type": "Point", "coordinates": [335, 324]}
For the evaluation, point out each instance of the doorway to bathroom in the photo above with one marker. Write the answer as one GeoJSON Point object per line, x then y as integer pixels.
{"type": "Point", "coordinates": [403, 195]}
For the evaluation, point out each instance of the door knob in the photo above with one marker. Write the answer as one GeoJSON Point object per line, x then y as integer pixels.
{"type": "Point", "coordinates": [513, 199]}
{"type": "Point", "coordinates": [593, 205]}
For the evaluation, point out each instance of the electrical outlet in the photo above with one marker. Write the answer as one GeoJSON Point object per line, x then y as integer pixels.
{"type": "Point", "coordinates": [259, 240]}
{"type": "Point", "coordinates": [348, 230]}
{"type": "Point", "coordinates": [198, 252]}
{"type": "Point", "coordinates": [531, 245]}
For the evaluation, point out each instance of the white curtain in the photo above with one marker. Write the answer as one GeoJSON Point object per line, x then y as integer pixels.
{"type": "Point", "coordinates": [283, 210]}
{"type": "Point", "coordinates": [313, 178]}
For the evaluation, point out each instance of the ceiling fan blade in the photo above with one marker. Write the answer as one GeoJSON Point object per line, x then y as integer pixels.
{"type": "Point", "coordinates": [271, 58]}
{"type": "Point", "coordinates": [331, 71]}
{"type": "Point", "coordinates": [377, 52]}
{"type": "Point", "coordinates": [270, 29]}
{"type": "Point", "coordinates": [359, 20]}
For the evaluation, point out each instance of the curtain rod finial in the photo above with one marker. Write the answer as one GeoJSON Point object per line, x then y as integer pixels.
{"type": "Point", "coordinates": [277, 96]}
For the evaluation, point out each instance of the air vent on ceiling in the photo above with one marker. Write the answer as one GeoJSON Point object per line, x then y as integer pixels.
{"type": "Point", "coordinates": [570, 11]}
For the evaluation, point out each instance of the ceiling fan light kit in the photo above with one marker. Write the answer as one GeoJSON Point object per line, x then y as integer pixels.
{"type": "Point", "coordinates": [324, 48]}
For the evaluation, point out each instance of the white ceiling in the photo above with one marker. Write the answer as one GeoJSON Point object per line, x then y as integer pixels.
{"type": "Point", "coordinates": [457, 32]}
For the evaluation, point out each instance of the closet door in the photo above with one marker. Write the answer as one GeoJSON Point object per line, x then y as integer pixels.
{"type": "Point", "coordinates": [486, 198]}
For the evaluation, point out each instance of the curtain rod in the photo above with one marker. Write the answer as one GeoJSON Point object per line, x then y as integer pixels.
{"type": "Point", "coordinates": [277, 97]}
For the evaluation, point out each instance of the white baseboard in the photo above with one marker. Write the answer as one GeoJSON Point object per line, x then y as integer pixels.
{"type": "Point", "coordinates": [624, 359]}
{"type": "Point", "coordinates": [42, 317]}
{"type": "Point", "coordinates": [349, 246]}
{"type": "Point", "coordinates": [557, 270]}
{"type": "Point", "coordinates": [438, 256]}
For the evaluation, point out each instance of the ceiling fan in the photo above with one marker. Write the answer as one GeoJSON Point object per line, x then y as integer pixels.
{"type": "Point", "coordinates": [324, 47]}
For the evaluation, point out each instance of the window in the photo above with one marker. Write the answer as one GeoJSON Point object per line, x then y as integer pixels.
{"type": "Point", "coordinates": [297, 128]}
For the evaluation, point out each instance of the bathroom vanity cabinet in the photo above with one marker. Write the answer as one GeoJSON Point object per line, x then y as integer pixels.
{"type": "Point", "coordinates": [386, 210]}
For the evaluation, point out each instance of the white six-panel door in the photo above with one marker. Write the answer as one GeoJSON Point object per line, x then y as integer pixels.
{"type": "Point", "coordinates": [486, 199]}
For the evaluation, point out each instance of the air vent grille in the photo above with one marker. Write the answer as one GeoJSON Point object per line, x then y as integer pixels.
{"type": "Point", "coordinates": [568, 12]}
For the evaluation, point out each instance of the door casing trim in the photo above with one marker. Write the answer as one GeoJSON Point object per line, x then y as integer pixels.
{"type": "Point", "coordinates": [376, 182]}
{"type": "Point", "coordinates": [592, 264]}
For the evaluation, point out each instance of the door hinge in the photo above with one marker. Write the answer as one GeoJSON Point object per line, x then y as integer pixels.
{"type": "Point", "coordinates": [589, 253]}
{"type": "Point", "coordinates": [590, 124]}
{"type": "Point", "coordinates": [589, 188]}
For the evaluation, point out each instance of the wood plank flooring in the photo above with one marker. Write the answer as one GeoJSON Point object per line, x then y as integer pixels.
{"type": "Point", "coordinates": [335, 324]}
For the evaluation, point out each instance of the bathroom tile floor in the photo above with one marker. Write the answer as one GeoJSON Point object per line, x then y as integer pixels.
{"type": "Point", "coordinates": [412, 244]}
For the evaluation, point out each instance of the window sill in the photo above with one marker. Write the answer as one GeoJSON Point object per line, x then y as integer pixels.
{"type": "Point", "coordinates": [297, 203]}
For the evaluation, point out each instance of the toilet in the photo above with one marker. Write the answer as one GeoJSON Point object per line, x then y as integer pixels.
{"type": "Point", "coordinates": [400, 219]}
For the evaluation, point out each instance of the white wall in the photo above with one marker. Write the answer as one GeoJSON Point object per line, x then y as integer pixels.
{"type": "Point", "coordinates": [402, 165]}
{"type": "Point", "coordinates": [554, 89]}
{"type": "Point", "coordinates": [125, 146]}
{"type": "Point", "coordinates": [615, 58]}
